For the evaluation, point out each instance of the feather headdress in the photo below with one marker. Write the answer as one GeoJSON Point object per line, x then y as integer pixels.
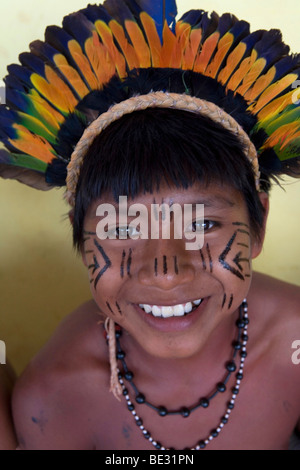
{"type": "Point", "coordinates": [106, 55]}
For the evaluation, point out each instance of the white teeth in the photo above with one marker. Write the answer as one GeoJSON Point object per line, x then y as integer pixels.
{"type": "Point", "coordinates": [170, 311]}
{"type": "Point", "coordinates": [188, 307]}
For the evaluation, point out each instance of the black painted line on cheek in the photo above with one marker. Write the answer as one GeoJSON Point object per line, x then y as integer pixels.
{"type": "Point", "coordinates": [107, 262]}
{"type": "Point", "coordinates": [223, 255]}
{"type": "Point", "coordinates": [109, 307]}
{"type": "Point", "coordinates": [230, 301]}
{"type": "Point", "coordinates": [165, 267]}
{"type": "Point", "coordinates": [209, 257]}
{"type": "Point", "coordinates": [243, 244]}
{"type": "Point", "coordinates": [119, 309]}
{"type": "Point", "coordinates": [175, 265]}
{"type": "Point", "coordinates": [243, 231]}
{"type": "Point", "coordinates": [155, 266]}
{"type": "Point", "coordinates": [129, 260]}
{"type": "Point", "coordinates": [224, 300]}
{"type": "Point", "coordinates": [122, 264]}
{"type": "Point", "coordinates": [203, 260]}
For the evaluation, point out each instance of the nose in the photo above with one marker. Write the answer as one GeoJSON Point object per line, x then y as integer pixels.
{"type": "Point", "coordinates": [166, 265]}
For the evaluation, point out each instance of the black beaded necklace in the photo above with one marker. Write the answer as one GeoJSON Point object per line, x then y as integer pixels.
{"type": "Point", "coordinates": [239, 346]}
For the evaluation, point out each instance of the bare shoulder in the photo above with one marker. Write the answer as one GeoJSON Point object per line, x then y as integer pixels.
{"type": "Point", "coordinates": [48, 405]}
{"type": "Point", "coordinates": [7, 434]}
{"type": "Point", "coordinates": [275, 306]}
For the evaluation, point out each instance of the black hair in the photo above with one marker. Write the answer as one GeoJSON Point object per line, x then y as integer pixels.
{"type": "Point", "coordinates": [141, 150]}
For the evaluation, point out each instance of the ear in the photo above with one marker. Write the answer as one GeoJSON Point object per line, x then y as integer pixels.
{"type": "Point", "coordinates": [258, 244]}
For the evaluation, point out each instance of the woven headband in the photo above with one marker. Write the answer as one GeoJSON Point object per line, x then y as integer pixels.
{"type": "Point", "coordinates": [154, 100]}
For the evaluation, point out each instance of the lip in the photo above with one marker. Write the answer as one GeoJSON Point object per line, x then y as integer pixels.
{"type": "Point", "coordinates": [172, 324]}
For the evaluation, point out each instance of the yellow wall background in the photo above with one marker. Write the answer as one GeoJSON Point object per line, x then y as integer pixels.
{"type": "Point", "coordinates": [41, 278]}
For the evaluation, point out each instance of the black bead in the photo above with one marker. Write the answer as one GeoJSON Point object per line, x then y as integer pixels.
{"type": "Point", "coordinates": [125, 391]}
{"type": "Point", "coordinates": [185, 412]}
{"type": "Point", "coordinates": [245, 337]}
{"type": "Point", "coordinates": [120, 354]}
{"type": "Point", "coordinates": [158, 445]}
{"type": "Point", "coordinates": [128, 375]}
{"type": "Point", "coordinates": [243, 354]}
{"type": "Point", "coordinates": [224, 420]}
{"type": "Point", "coordinates": [118, 333]}
{"type": "Point", "coordinates": [221, 387]}
{"type": "Point", "coordinates": [139, 422]}
{"type": "Point", "coordinates": [214, 433]}
{"type": "Point", "coordinates": [140, 398]}
{"type": "Point", "coordinates": [147, 435]}
{"type": "Point", "coordinates": [237, 345]}
{"type": "Point", "coordinates": [120, 375]}
{"type": "Point", "coordinates": [240, 323]}
{"type": "Point", "coordinates": [246, 320]}
{"type": "Point", "coordinates": [130, 407]}
{"type": "Point", "coordinates": [235, 390]}
{"type": "Point", "coordinates": [230, 366]}
{"type": "Point", "coordinates": [162, 411]}
{"type": "Point", "coordinates": [204, 402]}
{"type": "Point", "coordinates": [230, 406]}
{"type": "Point", "coordinates": [239, 376]}
{"type": "Point", "coordinates": [202, 445]}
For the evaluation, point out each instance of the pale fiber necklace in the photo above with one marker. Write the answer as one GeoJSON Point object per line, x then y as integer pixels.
{"type": "Point", "coordinates": [239, 346]}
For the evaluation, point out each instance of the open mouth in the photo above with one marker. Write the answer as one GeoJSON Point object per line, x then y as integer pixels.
{"type": "Point", "coordinates": [167, 311]}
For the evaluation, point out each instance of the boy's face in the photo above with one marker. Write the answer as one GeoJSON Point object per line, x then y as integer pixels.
{"type": "Point", "coordinates": [132, 279]}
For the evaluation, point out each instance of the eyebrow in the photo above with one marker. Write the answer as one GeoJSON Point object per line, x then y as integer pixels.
{"type": "Point", "coordinates": [216, 201]}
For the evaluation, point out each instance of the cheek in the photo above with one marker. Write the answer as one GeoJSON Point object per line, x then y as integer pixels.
{"type": "Point", "coordinates": [230, 263]}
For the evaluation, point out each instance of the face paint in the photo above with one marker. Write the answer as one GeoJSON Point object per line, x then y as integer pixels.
{"type": "Point", "coordinates": [238, 259]}
{"type": "Point", "coordinates": [98, 266]}
{"type": "Point", "coordinates": [165, 267]}
{"type": "Point", "coordinates": [175, 265]}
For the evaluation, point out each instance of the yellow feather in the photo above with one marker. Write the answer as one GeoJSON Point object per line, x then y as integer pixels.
{"type": "Point", "coordinates": [54, 95]}
{"type": "Point", "coordinates": [276, 106]}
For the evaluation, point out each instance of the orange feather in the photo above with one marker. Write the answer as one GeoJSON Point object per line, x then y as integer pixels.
{"type": "Point", "coordinates": [152, 37]}
{"type": "Point", "coordinates": [232, 62]}
{"type": "Point", "coordinates": [252, 75]}
{"type": "Point", "coordinates": [71, 75]}
{"type": "Point", "coordinates": [103, 65]}
{"type": "Point", "coordinates": [108, 41]}
{"type": "Point", "coordinates": [260, 85]}
{"type": "Point", "coordinates": [127, 49]}
{"type": "Point", "coordinates": [32, 144]}
{"type": "Point", "coordinates": [223, 47]}
{"type": "Point", "coordinates": [192, 49]}
{"type": "Point", "coordinates": [276, 106]}
{"type": "Point", "coordinates": [207, 51]}
{"type": "Point", "coordinates": [140, 45]}
{"type": "Point", "coordinates": [240, 73]}
{"type": "Point", "coordinates": [274, 90]}
{"type": "Point", "coordinates": [82, 63]}
{"type": "Point", "coordinates": [170, 52]}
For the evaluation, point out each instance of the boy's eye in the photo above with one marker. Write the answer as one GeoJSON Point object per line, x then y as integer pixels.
{"type": "Point", "coordinates": [201, 226]}
{"type": "Point", "coordinates": [123, 233]}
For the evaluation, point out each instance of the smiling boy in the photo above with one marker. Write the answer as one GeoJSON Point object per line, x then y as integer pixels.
{"type": "Point", "coordinates": [195, 347]}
